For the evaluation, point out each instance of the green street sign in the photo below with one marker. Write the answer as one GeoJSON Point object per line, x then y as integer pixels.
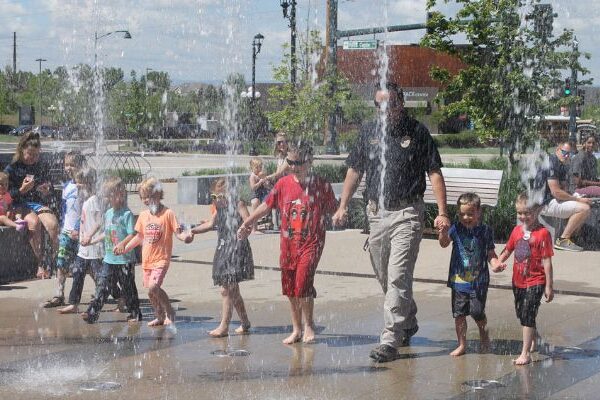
{"type": "Point", "coordinates": [361, 44]}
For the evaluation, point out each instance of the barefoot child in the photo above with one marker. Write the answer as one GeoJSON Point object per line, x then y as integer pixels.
{"type": "Point", "coordinates": [118, 231]}
{"type": "Point", "coordinates": [472, 249]}
{"type": "Point", "coordinates": [155, 228]}
{"type": "Point", "coordinates": [68, 238]}
{"type": "Point", "coordinates": [90, 253]}
{"type": "Point", "coordinates": [5, 206]}
{"type": "Point", "coordinates": [532, 270]}
{"type": "Point", "coordinates": [259, 184]}
{"type": "Point", "coordinates": [304, 200]}
{"type": "Point", "coordinates": [233, 261]}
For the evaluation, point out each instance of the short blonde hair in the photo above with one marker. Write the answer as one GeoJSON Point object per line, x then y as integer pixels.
{"type": "Point", "coordinates": [218, 185]}
{"type": "Point", "coordinates": [255, 162]}
{"type": "Point", "coordinates": [523, 197]}
{"type": "Point", "coordinates": [113, 184]}
{"type": "Point", "coordinates": [151, 186]}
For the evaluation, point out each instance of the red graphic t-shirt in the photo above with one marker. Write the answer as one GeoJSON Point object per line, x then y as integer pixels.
{"type": "Point", "coordinates": [528, 269]}
{"type": "Point", "coordinates": [303, 211]}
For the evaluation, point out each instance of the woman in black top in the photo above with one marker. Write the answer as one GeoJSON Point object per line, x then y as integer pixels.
{"type": "Point", "coordinates": [31, 191]}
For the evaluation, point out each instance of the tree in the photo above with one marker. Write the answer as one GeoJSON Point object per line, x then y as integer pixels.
{"type": "Point", "coordinates": [512, 66]}
{"type": "Point", "coordinates": [303, 111]}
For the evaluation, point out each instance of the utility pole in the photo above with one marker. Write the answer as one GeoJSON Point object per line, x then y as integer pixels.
{"type": "Point", "coordinates": [332, 147]}
{"type": "Point", "coordinates": [14, 52]}
{"type": "Point", "coordinates": [40, 60]}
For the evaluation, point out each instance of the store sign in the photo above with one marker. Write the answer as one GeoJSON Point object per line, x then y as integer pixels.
{"type": "Point", "coordinates": [361, 44]}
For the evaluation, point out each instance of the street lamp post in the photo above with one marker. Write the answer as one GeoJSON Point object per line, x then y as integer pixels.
{"type": "Point", "coordinates": [126, 35]}
{"type": "Point", "coordinates": [256, 44]}
{"type": "Point", "coordinates": [292, 17]}
{"type": "Point", "coordinates": [146, 79]}
{"type": "Point", "coordinates": [573, 106]}
{"type": "Point", "coordinates": [40, 60]}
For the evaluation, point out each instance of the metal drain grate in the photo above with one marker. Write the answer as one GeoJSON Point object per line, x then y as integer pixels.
{"type": "Point", "coordinates": [481, 384]}
{"type": "Point", "coordinates": [100, 386]}
{"type": "Point", "coordinates": [230, 353]}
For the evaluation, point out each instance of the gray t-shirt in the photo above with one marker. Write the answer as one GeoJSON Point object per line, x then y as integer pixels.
{"type": "Point", "coordinates": [583, 165]}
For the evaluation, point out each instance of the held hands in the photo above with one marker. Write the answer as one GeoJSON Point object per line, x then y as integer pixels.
{"type": "Point", "coordinates": [74, 234]}
{"type": "Point", "coordinates": [442, 223]}
{"type": "Point", "coordinates": [85, 241]}
{"type": "Point", "coordinates": [244, 231]}
{"type": "Point", "coordinates": [497, 266]}
{"type": "Point", "coordinates": [549, 293]}
{"type": "Point", "coordinates": [189, 238]}
{"type": "Point", "coordinates": [44, 189]}
{"type": "Point", "coordinates": [119, 249]}
{"type": "Point", "coordinates": [340, 217]}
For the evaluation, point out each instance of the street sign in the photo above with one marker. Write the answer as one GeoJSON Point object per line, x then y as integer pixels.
{"type": "Point", "coordinates": [361, 44]}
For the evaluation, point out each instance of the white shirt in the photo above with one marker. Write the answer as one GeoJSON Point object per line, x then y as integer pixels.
{"type": "Point", "coordinates": [71, 208]}
{"type": "Point", "coordinates": [91, 215]}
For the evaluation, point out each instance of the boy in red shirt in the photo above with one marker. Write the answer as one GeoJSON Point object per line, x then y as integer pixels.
{"type": "Point", "coordinates": [304, 200]}
{"type": "Point", "coordinates": [532, 270]}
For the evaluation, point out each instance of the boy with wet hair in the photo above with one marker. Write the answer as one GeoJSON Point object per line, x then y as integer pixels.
{"type": "Point", "coordinates": [304, 200]}
{"type": "Point", "coordinates": [468, 275]}
{"type": "Point", "coordinates": [532, 269]}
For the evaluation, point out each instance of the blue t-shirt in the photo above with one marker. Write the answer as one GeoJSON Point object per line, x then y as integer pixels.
{"type": "Point", "coordinates": [468, 264]}
{"type": "Point", "coordinates": [118, 224]}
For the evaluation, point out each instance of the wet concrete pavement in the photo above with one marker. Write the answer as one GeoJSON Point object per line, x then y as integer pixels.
{"type": "Point", "coordinates": [45, 355]}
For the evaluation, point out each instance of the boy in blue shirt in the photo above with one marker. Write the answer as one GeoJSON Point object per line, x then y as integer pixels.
{"type": "Point", "coordinates": [472, 249]}
{"type": "Point", "coordinates": [118, 231]}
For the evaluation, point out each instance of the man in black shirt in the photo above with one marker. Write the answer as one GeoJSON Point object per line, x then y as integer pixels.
{"type": "Point", "coordinates": [396, 152]}
{"type": "Point", "coordinates": [558, 202]}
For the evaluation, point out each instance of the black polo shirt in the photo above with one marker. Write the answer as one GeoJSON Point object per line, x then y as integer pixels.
{"type": "Point", "coordinates": [410, 153]}
{"type": "Point", "coordinates": [554, 170]}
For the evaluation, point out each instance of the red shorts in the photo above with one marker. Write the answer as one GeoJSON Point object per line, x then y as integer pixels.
{"type": "Point", "coordinates": [154, 276]}
{"type": "Point", "coordinates": [299, 282]}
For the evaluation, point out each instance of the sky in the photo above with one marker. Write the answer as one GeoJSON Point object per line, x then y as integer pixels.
{"type": "Point", "coordinates": [206, 40]}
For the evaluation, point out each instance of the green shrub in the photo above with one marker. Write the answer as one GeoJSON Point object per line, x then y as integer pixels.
{"type": "Point", "coordinates": [216, 171]}
{"type": "Point", "coordinates": [128, 175]}
{"type": "Point", "coordinates": [332, 173]}
{"type": "Point", "coordinates": [458, 140]}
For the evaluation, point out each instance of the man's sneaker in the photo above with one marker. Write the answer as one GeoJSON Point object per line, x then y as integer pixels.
{"type": "Point", "coordinates": [384, 353]}
{"type": "Point", "coordinates": [566, 244]}
{"type": "Point", "coordinates": [408, 333]}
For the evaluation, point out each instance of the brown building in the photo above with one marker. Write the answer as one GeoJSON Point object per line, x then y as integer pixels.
{"type": "Point", "coordinates": [408, 66]}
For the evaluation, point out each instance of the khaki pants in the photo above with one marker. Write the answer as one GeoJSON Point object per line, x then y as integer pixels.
{"type": "Point", "coordinates": [394, 245]}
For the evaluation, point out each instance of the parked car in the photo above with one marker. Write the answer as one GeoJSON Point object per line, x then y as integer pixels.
{"type": "Point", "coordinates": [45, 131]}
{"type": "Point", "coordinates": [5, 129]}
{"type": "Point", "coordinates": [18, 131]}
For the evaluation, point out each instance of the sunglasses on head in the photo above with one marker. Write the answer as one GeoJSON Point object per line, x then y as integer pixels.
{"type": "Point", "coordinates": [217, 196]}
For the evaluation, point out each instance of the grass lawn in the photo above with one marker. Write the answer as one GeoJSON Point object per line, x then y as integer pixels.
{"type": "Point", "coordinates": [8, 139]}
{"type": "Point", "coordinates": [475, 150]}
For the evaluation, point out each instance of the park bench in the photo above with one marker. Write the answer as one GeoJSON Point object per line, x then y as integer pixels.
{"type": "Point", "coordinates": [484, 182]}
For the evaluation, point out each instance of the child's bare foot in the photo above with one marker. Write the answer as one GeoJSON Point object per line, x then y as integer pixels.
{"type": "Point", "coordinates": [243, 329]}
{"type": "Point", "coordinates": [522, 360]}
{"type": "Point", "coordinates": [156, 322]}
{"type": "Point", "coordinates": [219, 332]}
{"type": "Point", "coordinates": [459, 351]}
{"type": "Point", "coordinates": [169, 321]}
{"type": "Point", "coordinates": [309, 335]}
{"type": "Point", "coordinates": [295, 337]}
{"type": "Point", "coordinates": [70, 309]}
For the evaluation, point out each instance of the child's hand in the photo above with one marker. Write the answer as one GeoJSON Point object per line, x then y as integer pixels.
{"type": "Point", "coordinates": [119, 249]}
{"type": "Point", "coordinates": [44, 189]}
{"type": "Point", "coordinates": [74, 234]}
{"type": "Point", "coordinates": [189, 238]}
{"type": "Point", "coordinates": [84, 240]}
{"type": "Point", "coordinates": [243, 232]}
{"type": "Point", "coordinates": [549, 293]}
{"type": "Point", "coordinates": [497, 266]}
{"type": "Point", "coordinates": [27, 184]}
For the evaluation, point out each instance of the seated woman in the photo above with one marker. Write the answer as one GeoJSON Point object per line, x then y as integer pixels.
{"type": "Point", "coordinates": [31, 191]}
{"type": "Point", "coordinates": [584, 169]}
